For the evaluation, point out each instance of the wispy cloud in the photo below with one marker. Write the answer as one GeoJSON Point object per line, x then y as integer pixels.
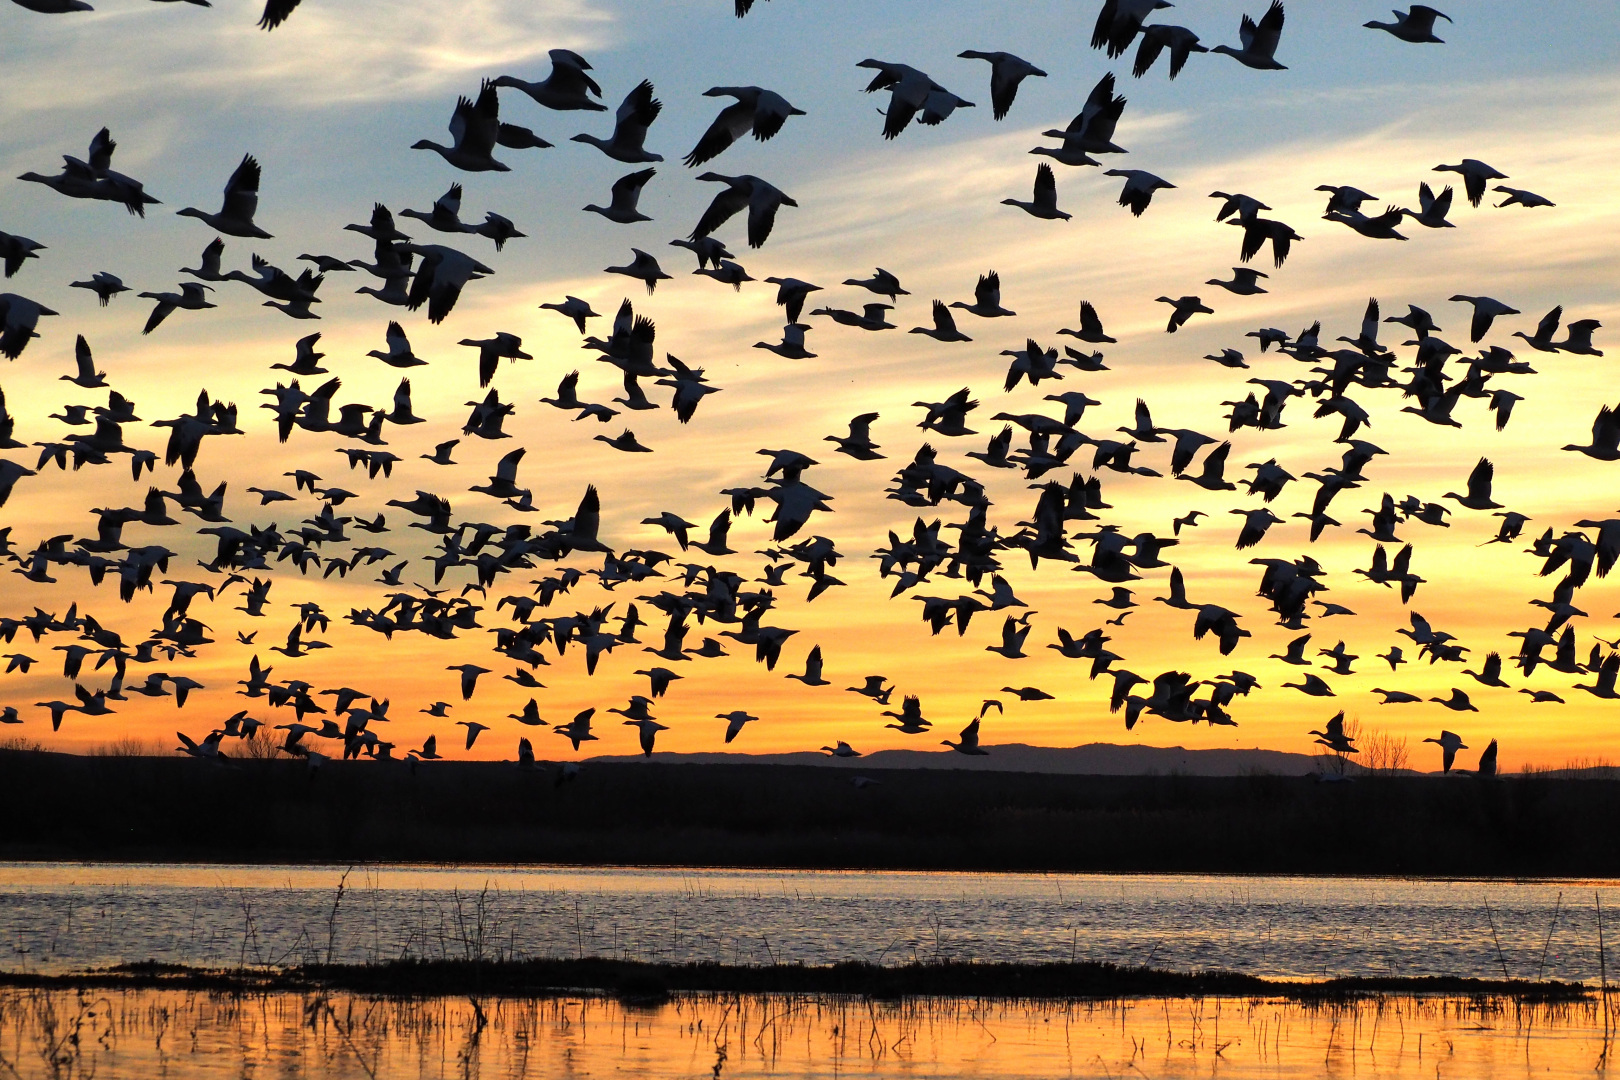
{"type": "Point", "coordinates": [325, 55]}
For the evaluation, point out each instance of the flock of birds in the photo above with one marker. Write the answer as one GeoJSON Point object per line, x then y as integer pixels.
{"type": "Point", "coordinates": [1064, 526]}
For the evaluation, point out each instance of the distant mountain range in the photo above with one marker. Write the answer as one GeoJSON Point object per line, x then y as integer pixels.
{"type": "Point", "coordinates": [1093, 759]}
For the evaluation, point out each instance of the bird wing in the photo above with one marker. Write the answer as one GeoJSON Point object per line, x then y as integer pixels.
{"type": "Point", "coordinates": [636, 113]}
{"type": "Point", "coordinates": [1181, 47]}
{"type": "Point", "coordinates": [1003, 88]}
{"type": "Point", "coordinates": [87, 365]}
{"type": "Point", "coordinates": [1105, 24]}
{"type": "Point", "coordinates": [719, 527]}
{"type": "Point", "coordinates": [1479, 481]}
{"type": "Point", "coordinates": [1442, 204]}
{"type": "Point", "coordinates": [1144, 418]}
{"type": "Point", "coordinates": [1548, 326]}
{"type": "Point", "coordinates": [1370, 321]}
{"type": "Point", "coordinates": [242, 190]}
{"type": "Point", "coordinates": [1148, 52]}
{"type": "Point", "coordinates": [1263, 40]}
{"type": "Point", "coordinates": [770, 113]}
{"type": "Point", "coordinates": [763, 203]}
{"type": "Point", "coordinates": [159, 313]}
{"type": "Point", "coordinates": [626, 190]}
{"type": "Point", "coordinates": [1090, 321]}
{"type": "Point", "coordinates": [476, 126]}
{"type": "Point", "coordinates": [970, 734]}
{"type": "Point", "coordinates": [733, 123]}
{"type": "Point", "coordinates": [1045, 189]}
{"type": "Point", "coordinates": [506, 468]}
{"type": "Point", "coordinates": [898, 115]}
{"type": "Point", "coordinates": [988, 290]}
{"type": "Point", "coordinates": [568, 72]}
{"type": "Point", "coordinates": [276, 13]}
{"type": "Point", "coordinates": [1604, 428]}
{"type": "Point", "coordinates": [1255, 235]}
{"type": "Point", "coordinates": [588, 518]}
{"type": "Point", "coordinates": [727, 203]}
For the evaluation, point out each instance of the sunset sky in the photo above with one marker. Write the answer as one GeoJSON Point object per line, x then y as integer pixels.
{"type": "Point", "coordinates": [331, 102]}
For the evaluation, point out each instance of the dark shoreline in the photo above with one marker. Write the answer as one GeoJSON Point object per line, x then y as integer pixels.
{"type": "Point", "coordinates": [652, 984]}
{"type": "Point", "coordinates": [652, 814]}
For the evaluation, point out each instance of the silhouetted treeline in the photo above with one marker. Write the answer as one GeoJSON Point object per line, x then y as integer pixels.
{"type": "Point", "coordinates": [60, 806]}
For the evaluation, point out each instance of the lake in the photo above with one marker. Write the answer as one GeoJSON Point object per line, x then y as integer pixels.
{"type": "Point", "coordinates": [58, 917]}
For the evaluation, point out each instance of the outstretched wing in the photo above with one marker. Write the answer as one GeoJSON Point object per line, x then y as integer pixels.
{"type": "Point", "coordinates": [733, 123]}
{"type": "Point", "coordinates": [276, 13]}
{"type": "Point", "coordinates": [242, 190]}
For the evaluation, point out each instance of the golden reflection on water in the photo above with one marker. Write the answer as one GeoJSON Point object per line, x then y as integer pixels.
{"type": "Point", "coordinates": [130, 1033]}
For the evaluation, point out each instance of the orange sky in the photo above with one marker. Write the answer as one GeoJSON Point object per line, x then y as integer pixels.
{"type": "Point", "coordinates": [926, 206]}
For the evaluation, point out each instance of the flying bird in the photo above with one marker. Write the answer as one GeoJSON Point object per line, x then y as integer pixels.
{"type": "Point", "coordinates": [912, 95]}
{"type": "Point", "coordinates": [1416, 26]}
{"type": "Point", "coordinates": [635, 115]}
{"type": "Point", "coordinates": [1258, 40]}
{"type": "Point", "coordinates": [235, 217]}
{"type": "Point", "coordinates": [1006, 72]}
{"type": "Point", "coordinates": [1043, 203]}
{"type": "Point", "coordinates": [567, 88]}
{"type": "Point", "coordinates": [755, 111]}
{"type": "Point", "coordinates": [477, 130]}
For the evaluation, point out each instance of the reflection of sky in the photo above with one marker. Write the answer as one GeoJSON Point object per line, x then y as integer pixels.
{"type": "Point", "coordinates": [330, 102]}
{"type": "Point", "coordinates": [824, 1036]}
{"type": "Point", "coordinates": [1271, 927]}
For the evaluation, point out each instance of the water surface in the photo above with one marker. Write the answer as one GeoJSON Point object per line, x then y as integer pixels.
{"type": "Point", "coordinates": [64, 917]}
{"type": "Point", "coordinates": [188, 1035]}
